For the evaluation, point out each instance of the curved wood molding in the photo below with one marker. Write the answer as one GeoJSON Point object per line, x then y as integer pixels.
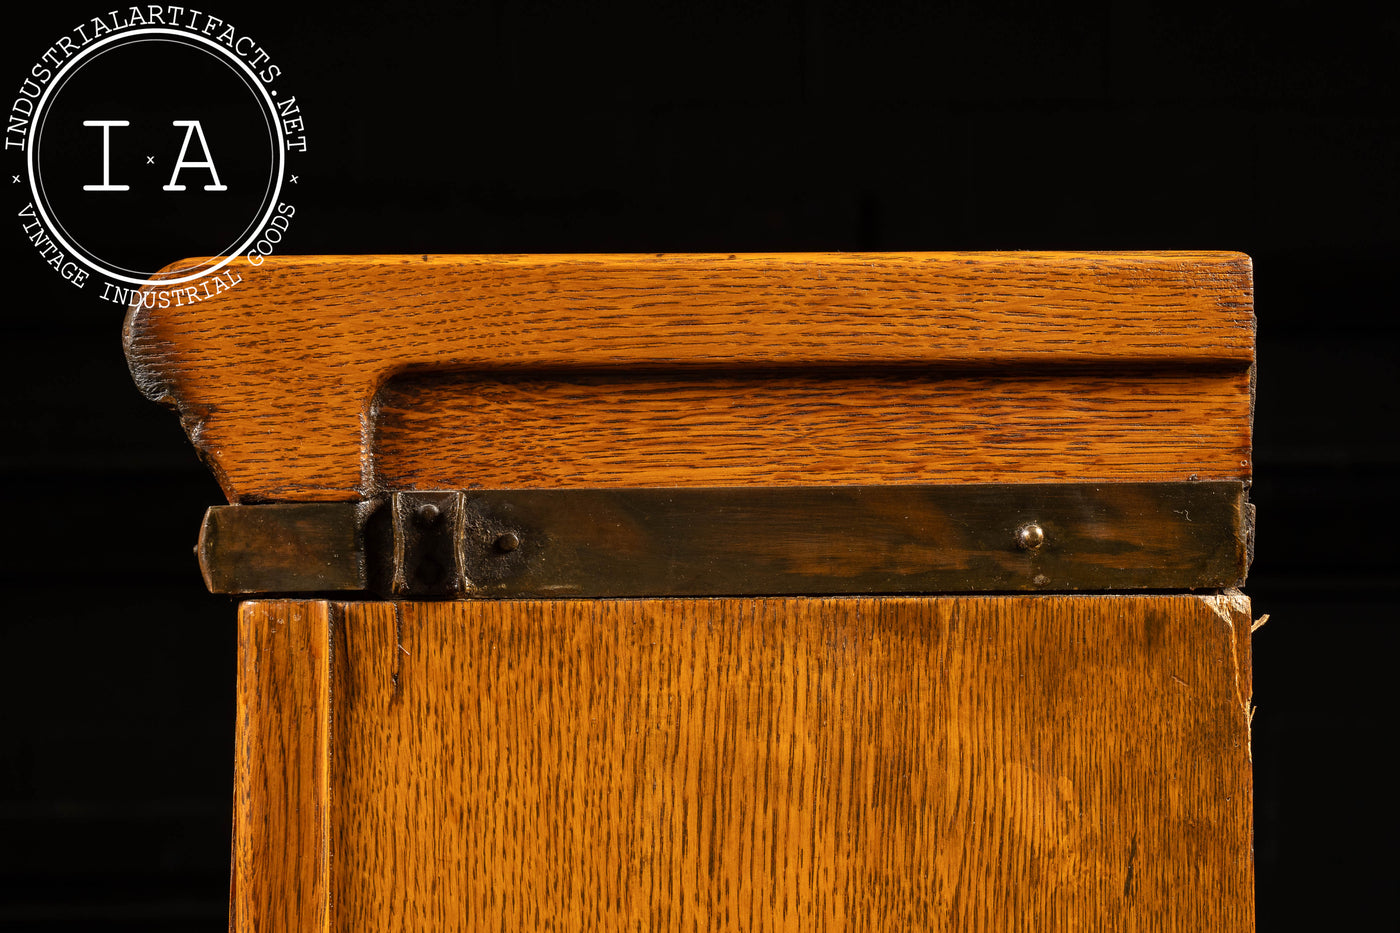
{"type": "Point", "coordinates": [277, 378]}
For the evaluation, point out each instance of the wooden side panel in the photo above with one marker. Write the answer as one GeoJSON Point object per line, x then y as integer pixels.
{"type": "Point", "coordinates": [281, 778]}
{"type": "Point", "coordinates": [982, 763]}
{"type": "Point", "coordinates": [275, 378]}
{"type": "Point", "coordinates": [827, 429]}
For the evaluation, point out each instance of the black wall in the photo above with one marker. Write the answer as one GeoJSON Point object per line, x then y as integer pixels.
{"type": "Point", "coordinates": [557, 126]}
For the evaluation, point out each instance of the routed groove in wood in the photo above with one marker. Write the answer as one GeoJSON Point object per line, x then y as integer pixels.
{"type": "Point", "coordinates": [844, 427]}
{"type": "Point", "coordinates": [276, 379]}
{"type": "Point", "coordinates": [952, 763]}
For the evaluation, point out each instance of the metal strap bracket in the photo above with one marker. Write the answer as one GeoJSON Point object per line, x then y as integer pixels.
{"type": "Point", "coordinates": [736, 541]}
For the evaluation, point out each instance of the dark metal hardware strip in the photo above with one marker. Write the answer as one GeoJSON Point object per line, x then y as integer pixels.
{"type": "Point", "coordinates": [737, 541]}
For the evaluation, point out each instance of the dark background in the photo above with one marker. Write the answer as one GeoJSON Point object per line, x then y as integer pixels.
{"type": "Point", "coordinates": [558, 126]}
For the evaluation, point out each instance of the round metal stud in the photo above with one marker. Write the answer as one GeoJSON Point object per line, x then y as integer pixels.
{"type": "Point", "coordinates": [1030, 536]}
{"type": "Point", "coordinates": [508, 542]}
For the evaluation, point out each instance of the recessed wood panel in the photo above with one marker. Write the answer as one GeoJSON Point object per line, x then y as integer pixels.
{"type": "Point", "coordinates": [980, 763]}
{"type": "Point", "coordinates": [841, 428]}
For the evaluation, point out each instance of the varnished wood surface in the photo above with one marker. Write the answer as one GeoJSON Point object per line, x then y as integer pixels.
{"type": "Point", "coordinates": [275, 378]}
{"type": "Point", "coordinates": [779, 429]}
{"type": "Point", "coordinates": [282, 758]}
{"type": "Point", "coordinates": [976, 763]}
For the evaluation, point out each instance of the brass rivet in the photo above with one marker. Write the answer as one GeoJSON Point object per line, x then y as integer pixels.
{"type": "Point", "coordinates": [1030, 536]}
{"type": "Point", "coordinates": [508, 542]}
{"type": "Point", "coordinates": [427, 514]}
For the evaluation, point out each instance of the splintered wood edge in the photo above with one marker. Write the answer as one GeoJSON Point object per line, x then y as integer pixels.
{"type": "Point", "coordinates": [275, 378]}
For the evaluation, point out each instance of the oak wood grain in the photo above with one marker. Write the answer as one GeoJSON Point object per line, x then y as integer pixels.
{"type": "Point", "coordinates": [781, 429]}
{"type": "Point", "coordinates": [276, 378]}
{"type": "Point", "coordinates": [954, 763]}
{"type": "Point", "coordinates": [281, 803]}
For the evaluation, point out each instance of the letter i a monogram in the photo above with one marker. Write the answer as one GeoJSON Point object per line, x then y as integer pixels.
{"type": "Point", "coordinates": [192, 128]}
{"type": "Point", "coordinates": [106, 155]}
{"type": "Point", "coordinates": [149, 199]}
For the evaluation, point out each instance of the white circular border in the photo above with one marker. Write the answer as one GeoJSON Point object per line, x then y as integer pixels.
{"type": "Point", "coordinates": [67, 74]}
{"type": "Point", "coordinates": [257, 228]}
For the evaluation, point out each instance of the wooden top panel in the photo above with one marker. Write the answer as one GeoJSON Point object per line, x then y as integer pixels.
{"type": "Point", "coordinates": [276, 378]}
